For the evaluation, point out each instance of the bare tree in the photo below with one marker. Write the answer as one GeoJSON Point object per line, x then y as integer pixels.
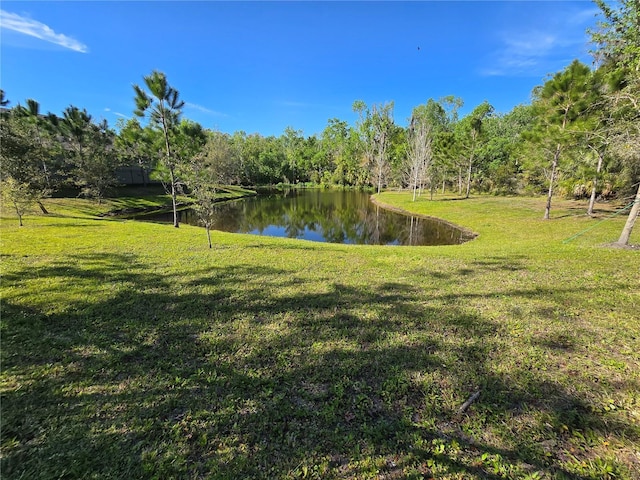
{"type": "Point", "coordinates": [419, 155]}
{"type": "Point", "coordinates": [375, 130]}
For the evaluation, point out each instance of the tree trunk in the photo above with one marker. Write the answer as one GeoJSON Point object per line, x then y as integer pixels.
{"type": "Point", "coordinates": [554, 167]}
{"type": "Point", "coordinates": [209, 235]}
{"type": "Point", "coordinates": [45, 171]}
{"type": "Point", "coordinates": [469, 177]}
{"type": "Point", "coordinates": [376, 234]}
{"type": "Point", "coordinates": [631, 220]}
{"type": "Point", "coordinates": [592, 200]}
{"type": "Point", "coordinates": [46, 174]}
{"type": "Point", "coordinates": [44, 210]}
{"type": "Point", "coordinates": [174, 198]}
{"type": "Point", "coordinates": [144, 176]}
{"type": "Point", "coordinates": [167, 147]}
{"type": "Point", "coordinates": [459, 180]}
{"type": "Point", "coordinates": [411, 232]}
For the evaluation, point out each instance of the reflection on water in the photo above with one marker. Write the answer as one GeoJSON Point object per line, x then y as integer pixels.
{"type": "Point", "coordinates": [324, 216]}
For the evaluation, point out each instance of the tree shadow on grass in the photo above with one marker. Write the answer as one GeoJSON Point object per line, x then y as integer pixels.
{"type": "Point", "coordinates": [243, 372]}
{"type": "Point", "coordinates": [477, 267]}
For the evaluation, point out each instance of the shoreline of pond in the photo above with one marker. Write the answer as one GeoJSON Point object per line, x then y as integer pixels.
{"type": "Point", "coordinates": [132, 212]}
{"type": "Point", "coordinates": [139, 213]}
{"type": "Point", "coordinates": [470, 234]}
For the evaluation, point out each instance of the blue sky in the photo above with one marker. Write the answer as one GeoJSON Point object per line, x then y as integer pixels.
{"type": "Point", "coordinates": [263, 66]}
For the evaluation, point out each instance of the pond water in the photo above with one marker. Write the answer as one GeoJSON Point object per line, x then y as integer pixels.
{"type": "Point", "coordinates": [324, 216]}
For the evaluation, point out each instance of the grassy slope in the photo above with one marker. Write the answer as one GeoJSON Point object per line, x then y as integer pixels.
{"type": "Point", "coordinates": [132, 350]}
{"type": "Point", "coordinates": [130, 199]}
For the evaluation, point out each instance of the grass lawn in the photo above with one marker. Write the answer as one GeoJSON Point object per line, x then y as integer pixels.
{"type": "Point", "coordinates": [132, 350]}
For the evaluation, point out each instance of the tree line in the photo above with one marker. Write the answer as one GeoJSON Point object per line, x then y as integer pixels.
{"type": "Point", "coordinates": [578, 137]}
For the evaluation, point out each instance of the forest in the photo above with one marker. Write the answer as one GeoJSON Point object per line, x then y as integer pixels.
{"type": "Point", "coordinates": [579, 137]}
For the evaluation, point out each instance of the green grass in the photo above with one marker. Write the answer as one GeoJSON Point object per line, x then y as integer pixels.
{"type": "Point", "coordinates": [132, 350]}
{"type": "Point", "coordinates": [131, 200]}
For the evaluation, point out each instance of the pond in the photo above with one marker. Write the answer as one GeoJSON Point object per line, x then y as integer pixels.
{"type": "Point", "coordinates": [331, 216]}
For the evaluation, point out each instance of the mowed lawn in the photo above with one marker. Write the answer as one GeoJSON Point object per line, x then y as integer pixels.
{"type": "Point", "coordinates": [132, 350]}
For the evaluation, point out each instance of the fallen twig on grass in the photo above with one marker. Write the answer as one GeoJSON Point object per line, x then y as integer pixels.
{"type": "Point", "coordinates": [468, 403]}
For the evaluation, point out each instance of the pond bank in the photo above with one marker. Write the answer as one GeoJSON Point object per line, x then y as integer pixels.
{"type": "Point", "coordinates": [469, 234]}
{"type": "Point", "coordinates": [323, 215]}
{"type": "Point", "coordinates": [133, 209]}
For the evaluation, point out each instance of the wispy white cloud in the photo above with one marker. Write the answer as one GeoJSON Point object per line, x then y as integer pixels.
{"type": "Point", "coordinates": [208, 111]}
{"type": "Point", "coordinates": [117, 114]}
{"type": "Point", "coordinates": [536, 50]}
{"type": "Point", "coordinates": [522, 52]}
{"type": "Point", "coordinates": [584, 16]}
{"type": "Point", "coordinates": [33, 28]}
{"type": "Point", "coordinates": [531, 45]}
